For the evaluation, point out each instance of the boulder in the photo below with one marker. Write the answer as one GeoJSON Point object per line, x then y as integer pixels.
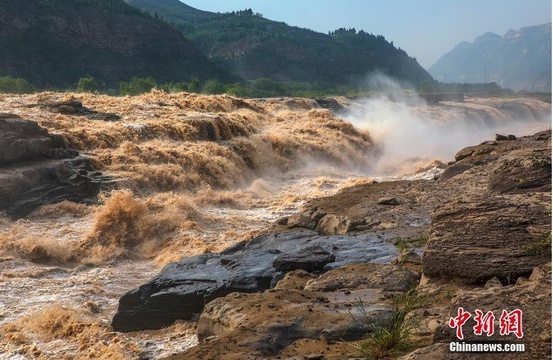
{"type": "Point", "coordinates": [37, 168]}
{"type": "Point", "coordinates": [264, 324]}
{"type": "Point", "coordinates": [74, 107]}
{"type": "Point", "coordinates": [267, 322]}
{"type": "Point", "coordinates": [521, 171]}
{"type": "Point", "coordinates": [22, 140]}
{"type": "Point", "coordinates": [24, 188]}
{"type": "Point", "coordinates": [182, 289]}
{"type": "Point", "coordinates": [332, 225]}
{"type": "Point", "coordinates": [388, 201]}
{"type": "Point", "coordinates": [477, 238]}
{"type": "Point", "coordinates": [366, 276]}
{"type": "Point", "coordinates": [309, 259]}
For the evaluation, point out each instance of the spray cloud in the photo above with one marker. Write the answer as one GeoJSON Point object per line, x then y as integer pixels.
{"type": "Point", "coordinates": [411, 132]}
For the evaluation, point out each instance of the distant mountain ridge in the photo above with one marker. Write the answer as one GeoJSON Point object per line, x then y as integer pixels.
{"type": "Point", "coordinates": [254, 47]}
{"type": "Point", "coordinates": [519, 60]}
{"type": "Point", "coordinates": [53, 43]}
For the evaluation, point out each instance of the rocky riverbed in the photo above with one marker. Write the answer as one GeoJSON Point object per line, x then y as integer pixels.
{"type": "Point", "coordinates": [484, 228]}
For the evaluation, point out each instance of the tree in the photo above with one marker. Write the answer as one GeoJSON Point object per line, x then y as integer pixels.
{"type": "Point", "coordinates": [213, 87]}
{"type": "Point", "coordinates": [87, 84]}
{"type": "Point", "coordinates": [194, 85]}
{"type": "Point", "coordinates": [137, 86]}
{"type": "Point", "coordinates": [9, 85]}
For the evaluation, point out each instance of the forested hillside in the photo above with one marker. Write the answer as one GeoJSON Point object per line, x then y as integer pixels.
{"type": "Point", "coordinates": [52, 44]}
{"type": "Point", "coordinates": [254, 47]}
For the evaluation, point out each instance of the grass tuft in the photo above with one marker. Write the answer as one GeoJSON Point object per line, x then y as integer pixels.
{"type": "Point", "coordinates": [541, 247]}
{"type": "Point", "coordinates": [390, 334]}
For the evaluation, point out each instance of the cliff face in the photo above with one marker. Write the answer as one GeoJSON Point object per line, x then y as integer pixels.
{"type": "Point", "coordinates": [520, 60]}
{"type": "Point", "coordinates": [54, 43]}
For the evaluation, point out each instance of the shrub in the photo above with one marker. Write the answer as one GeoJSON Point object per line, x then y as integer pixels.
{"type": "Point", "coordinates": [87, 84]}
{"type": "Point", "coordinates": [137, 86]}
{"type": "Point", "coordinates": [213, 87]}
{"type": "Point", "coordinates": [541, 247]}
{"type": "Point", "coordinates": [9, 85]}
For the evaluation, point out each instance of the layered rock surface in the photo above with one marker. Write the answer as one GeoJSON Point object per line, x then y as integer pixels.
{"type": "Point", "coordinates": [490, 233]}
{"type": "Point", "coordinates": [38, 168]}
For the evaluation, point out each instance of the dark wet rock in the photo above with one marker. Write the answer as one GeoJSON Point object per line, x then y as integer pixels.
{"type": "Point", "coordinates": [499, 137]}
{"type": "Point", "coordinates": [24, 188]}
{"type": "Point", "coordinates": [476, 239]}
{"type": "Point", "coordinates": [74, 107]}
{"type": "Point", "coordinates": [388, 201]}
{"type": "Point", "coordinates": [329, 103]}
{"type": "Point", "coordinates": [37, 168]}
{"type": "Point", "coordinates": [22, 140]}
{"type": "Point", "coordinates": [182, 289]}
{"type": "Point", "coordinates": [309, 259]}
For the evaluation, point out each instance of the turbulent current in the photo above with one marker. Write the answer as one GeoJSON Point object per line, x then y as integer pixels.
{"type": "Point", "coordinates": [196, 174]}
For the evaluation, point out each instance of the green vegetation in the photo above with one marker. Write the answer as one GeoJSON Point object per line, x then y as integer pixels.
{"type": "Point", "coordinates": [257, 48]}
{"type": "Point", "coordinates": [87, 84]}
{"type": "Point", "coordinates": [388, 335]}
{"type": "Point", "coordinates": [433, 87]}
{"type": "Point", "coordinates": [9, 85]}
{"type": "Point", "coordinates": [403, 244]}
{"type": "Point", "coordinates": [108, 40]}
{"type": "Point", "coordinates": [129, 45]}
{"type": "Point", "coordinates": [137, 86]}
{"type": "Point", "coordinates": [541, 246]}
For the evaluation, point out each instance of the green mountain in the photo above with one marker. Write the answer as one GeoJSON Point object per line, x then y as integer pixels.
{"type": "Point", "coordinates": [254, 47]}
{"type": "Point", "coordinates": [519, 60]}
{"type": "Point", "coordinates": [53, 43]}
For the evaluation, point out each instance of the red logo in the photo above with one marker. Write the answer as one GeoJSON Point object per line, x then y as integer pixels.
{"type": "Point", "coordinates": [458, 322]}
{"type": "Point", "coordinates": [509, 323]}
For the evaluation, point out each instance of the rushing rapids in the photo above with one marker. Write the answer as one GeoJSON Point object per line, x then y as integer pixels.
{"type": "Point", "coordinates": [195, 174]}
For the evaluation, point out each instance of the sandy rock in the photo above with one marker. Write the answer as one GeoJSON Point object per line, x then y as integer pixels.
{"type": "Point", "coordinates": [333, 225]}
{"type": "Point", "coordinates": [296, 279]}
{"type": "Point", "coordinates": [521, 171]}
{"type": "Point", "coordinates": [365, 276]}
{"type": "Point", "coordinates": [483, 237]}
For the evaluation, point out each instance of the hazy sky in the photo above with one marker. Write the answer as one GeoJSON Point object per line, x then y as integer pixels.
{"type": "Point", "coordinates": [425, 29]}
